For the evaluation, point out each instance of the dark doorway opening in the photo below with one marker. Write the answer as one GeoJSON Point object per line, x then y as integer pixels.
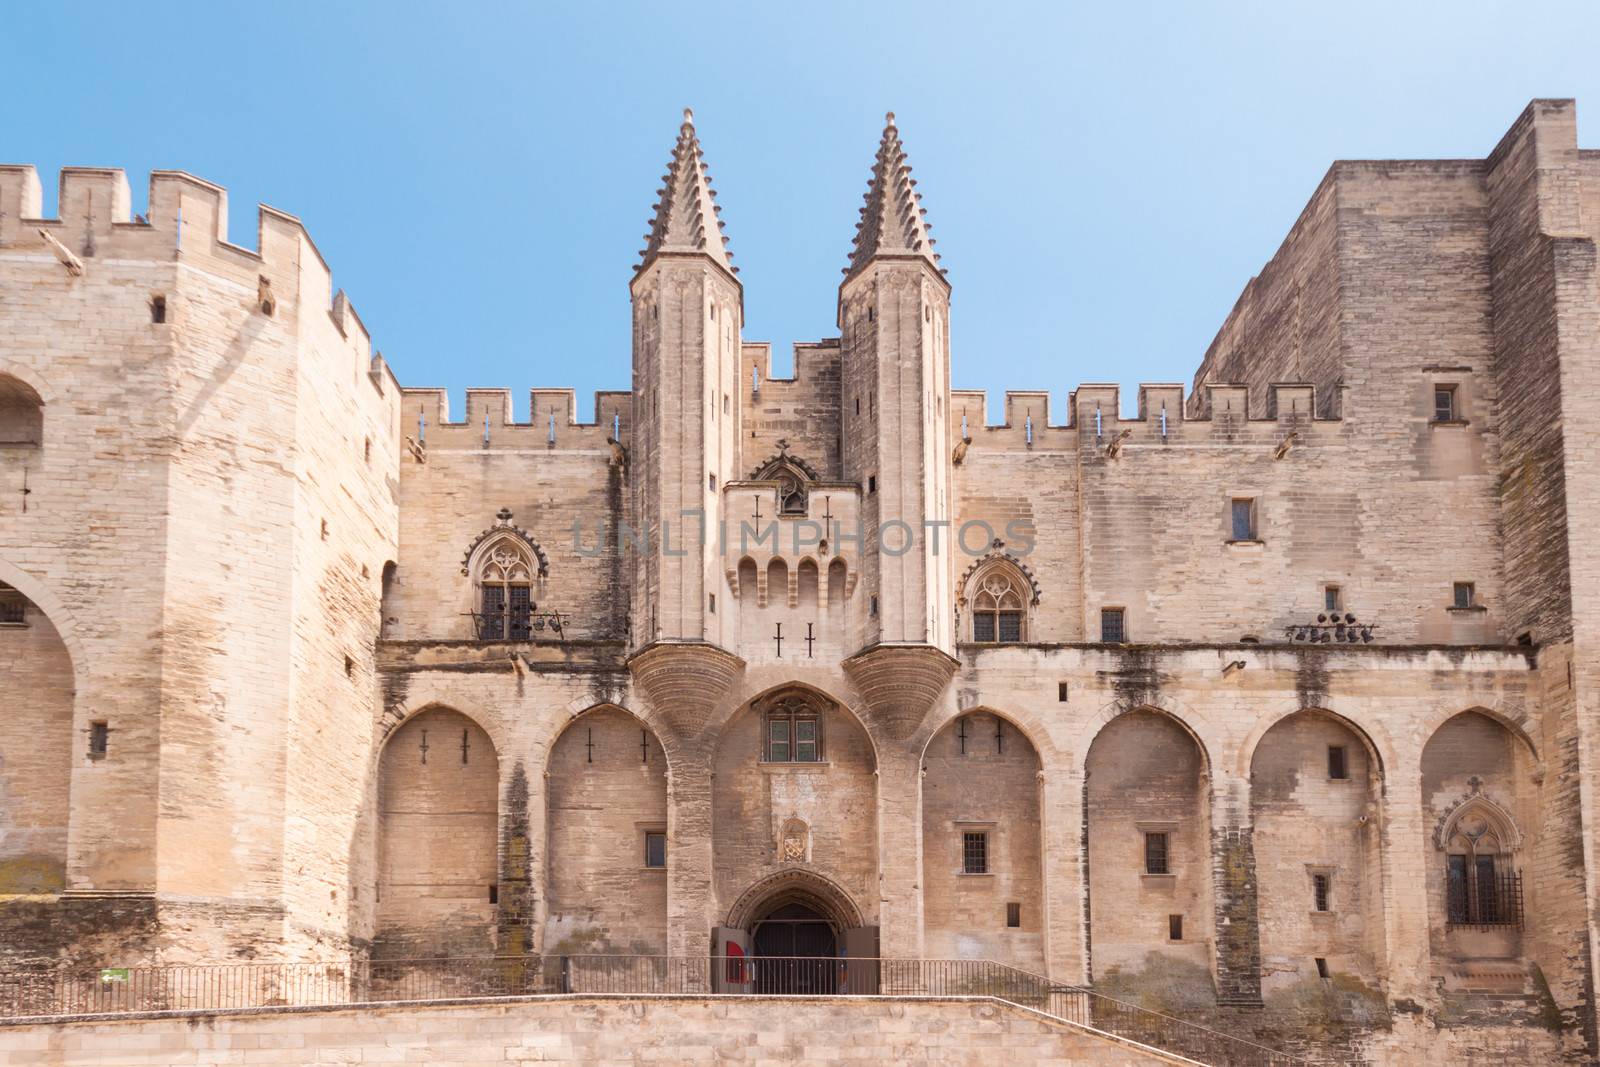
{"type": "Point", "coordinates": [796, 952]}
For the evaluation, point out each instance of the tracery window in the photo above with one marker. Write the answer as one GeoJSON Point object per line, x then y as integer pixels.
{"type": "Point", "coordinates": [792, 732]}
{"type": "Point", "coordinates": [504, 581]}
{"type": "Point", "coordinates": [1482, 886]}
{"type": "Point", "coordinates": [998, 602]}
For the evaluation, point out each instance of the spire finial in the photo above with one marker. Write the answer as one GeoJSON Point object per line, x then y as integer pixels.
{"type": "Point", "coordinates": [892, 220]}
{"type": "Point", "coordinates": [686, 214]}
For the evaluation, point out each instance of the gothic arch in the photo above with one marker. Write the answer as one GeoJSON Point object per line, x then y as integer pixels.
{"type": "Point", "coordinates": [66, 626]}
{"type": "Point", "coordinates": [828, 701]}
{"type": "Point", "coordinates": [796, 885]}
{"type": "Point", "coordinates": [1490, 817]}
{"type": "Point", "coordinates": [504, 530]}
{"type": "Point", "coordinates": [21, 412]}
{"type": "Point", "coordinates": [1035, 733]}
{"type": "Point", "coordinates": [1381, 754]}
{"type": "Point", "coordinates": [997, 558]}
{"type": "Point", "coordinates": [1192, 722]}
{"type": "Point", "coordinates": [1445, 711]}
{"type": "Point", "coordinates": [577, 716]}
{"type": "Point", "coordinates": [396, 716]}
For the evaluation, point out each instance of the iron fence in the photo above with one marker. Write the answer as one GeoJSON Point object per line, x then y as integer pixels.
{"type": "Point", "coordinates": [80, 991]}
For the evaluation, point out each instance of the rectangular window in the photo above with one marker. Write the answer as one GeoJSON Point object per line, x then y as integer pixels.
{"type": "Point", "coordinates": [1465, 595]}
{"type": "Point", "coordinates": [11, 611]}
{"type": "Point", "coordinates": [494, 894]}
{"type": "Point", "coordinates": [1331, 600]}
{"type": "Point", "coordinates": [778, 741]}
{"type": "Point", "coordinates": [1322, 967]}
{"type": "Point", "coordinates": [713, 599]}
{"type": "Point", "coordinates": [519, 621]}
{"type": "Point", "coordinates": [655, 849]}
{"type": "Point", "coordinates": [1061, 692]}
{"type": "Point", "coordinates": [974, 853]}
{"type": "Point", "coordinates": [1319, 891]}
{"type": "Point", "coordinates": [1155, 854]}
{"type": "Point", "coordinates": [1444, 403]}
{"type": "Point", "coordinates": [1013, 915]}
{"type": "Point", "coordinates": [1174, 927]}
{"type": "Point", "coordinates": [158, 309]}
{"type": "Point", "coordinates": [1337, 768]}
{"type": "Point", "coordinates": [983, 626]}
{"type": "Point", "coordinates": [99, 740]}
{"type": "Point", "coordinates": [1010, 625]}
{"type": "Point", "coordinates": [805, 740]}
{"type": "Point", "coordinates": [1244, 519]}
{"type": "Point", "coordinates": [1112, 630]}
{"type": "Point", "coordinates": [872, 483]}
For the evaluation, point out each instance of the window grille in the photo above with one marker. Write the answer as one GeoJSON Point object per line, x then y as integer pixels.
{"type": "Point", "coordinates": [1113, 631]}
{"type": "Point", "coordinates": [1478, 893]}
{"type": "Point", "coordinates": [1444, 403]}
{"type": "Point", "coordinates": [1155, 854]}
{"type": "Point", "coordinates": [975, 852]}
{"type": "Point", "coordinates": [12, 611]}
{"type": "Point", "coordinates": [1244, 519]}
{"type": "Point", "coordinates": [1319, 891]}
{"type": "Point", "coordinates": [1464, 595]}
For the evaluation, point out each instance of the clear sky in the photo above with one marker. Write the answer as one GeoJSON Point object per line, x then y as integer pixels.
{"type": "Point", "coordinates": [1102, 178]}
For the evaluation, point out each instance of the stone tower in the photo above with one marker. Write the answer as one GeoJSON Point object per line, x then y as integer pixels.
{"type": "Point", "coordinates": [687, 311]}
{"type": "Point", "coordinates": [894, 313]}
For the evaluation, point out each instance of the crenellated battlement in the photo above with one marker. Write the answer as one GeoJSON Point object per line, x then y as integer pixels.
{"type": "Point", "coordinates": [1095, 410]}
{"type": "Point", "coordinates": [425, 416]}
{"type": "Point", "coordinates": [187, 223]}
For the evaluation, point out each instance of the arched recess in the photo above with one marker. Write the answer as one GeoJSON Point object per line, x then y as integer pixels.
{"type": "Point", "coordinates": [21, 413]}
{"type": "Point", "coordinates": [747, 580]}
{"type": "Point", "coordinates": [606, 844]}
{"type": "Point", "coordinates": [806, 584]}
{"type": "Point", "coordinates": [982, 862]}
{"type": "Point", "coordinates": [1480, 806]}
{"type": "Point", "coordinates": [808, 803]}
{"type": "Point", "coordinates": [1147, 793]}
{"type": "Point", "coordinates": [36, 747]}
{"type": "Point", "coordinates": [1315, 785]}
{"type": "Point", "coordinates": [438, 837]}
{"type": "Point", "coordinates": [778, 582]}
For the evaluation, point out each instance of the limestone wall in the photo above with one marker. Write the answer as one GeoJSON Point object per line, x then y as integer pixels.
{"type": "Point", "coordinates": [588, 1030]}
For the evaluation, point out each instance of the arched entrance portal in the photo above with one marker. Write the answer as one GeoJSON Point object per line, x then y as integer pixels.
{"type": "Point", "coordinates": [796, 951]}
{"type": "Point", "coordinates": [796, 931]}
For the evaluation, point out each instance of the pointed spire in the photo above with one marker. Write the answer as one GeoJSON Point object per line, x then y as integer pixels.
{"type": "Point", "coordinates": [686, 215]}
{"type": "Point", "coordinates": [893, 222]}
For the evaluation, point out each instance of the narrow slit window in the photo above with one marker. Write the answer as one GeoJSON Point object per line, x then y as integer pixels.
{"type": "Point", "coordinates": [1338, 767]}
{"type": "Point", "coordinates": [494, 894]}
{"type": "Point", "coordinates": [1331, 599]}
{"type": "Point", "coordinates": [975, 852]}
{"type": "Point", "coordinates": [99, 740]}
{"type": "Point", "coordinates": [158, 309]}
{"type": "Point", "coordinates": [1061, 692]}
{"type": "Point", "coordinates": [1322, 967]}
{"type": "Point", "coordinates": [1014, 915]}
{"type": "Point", "coordinates": [1174, 927]}
{"type": "Point", "coordinates": [1320, 887]}
{"type": "Point", "coordinates": [1156, 856]}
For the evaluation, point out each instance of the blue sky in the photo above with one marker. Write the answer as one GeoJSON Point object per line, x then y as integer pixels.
{"type": "Point", "coordinates": [1103, 179]}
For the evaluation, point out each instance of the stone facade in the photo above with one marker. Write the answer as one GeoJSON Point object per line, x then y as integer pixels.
{"type": "Point", "coordinates": [1274, 704]}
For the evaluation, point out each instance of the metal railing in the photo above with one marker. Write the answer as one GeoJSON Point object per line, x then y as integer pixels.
{"type": "Point", "coordinates": [82, 991]}
{"type": "Point", "coordinates": [1477, 899]}
{"type": "Point", "coordinates": [514, 624]}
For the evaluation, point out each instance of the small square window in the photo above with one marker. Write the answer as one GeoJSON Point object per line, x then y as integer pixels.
{"type": "Point", "coordinates": [99, 740]}
{"type": "Point", "coordinates": [1112, 628]}
{"type": "Point", "coordinates": [1320, 895]}
{"type": "Point", "coordinates": [1013, 915]}
{"type": "Point", "coordinates": [1444, 403]}
{"type": "Point", "coordinates": [975, 852]}
{"type": "Point", "coordinates": [1465, 595]}
{"type": "Point", "coordinates": [1155, 854]}
{"type": "Point", "coordinates": [1174, 927]}
{"type": "Point", "coordinates": [655, 848]}
{"type": "Point", "coordinates": [1061, 692]}
{"type": "Point", "coordinates": [1332, 598]}
{"type": "Point", "coordinates": [1243, 512]}
{"type": "Point", "coordinates": [1338, 768]}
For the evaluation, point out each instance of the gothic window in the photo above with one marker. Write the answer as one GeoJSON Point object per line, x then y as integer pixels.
{"type": "Point", "coordinates": [1482, 887]}
{"type": "Point", "coordinates": [504, 580]}
{"type": "Point", "coordinates": [793, 732]}
{"type": "Point", "coordinates": [996, 597]}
